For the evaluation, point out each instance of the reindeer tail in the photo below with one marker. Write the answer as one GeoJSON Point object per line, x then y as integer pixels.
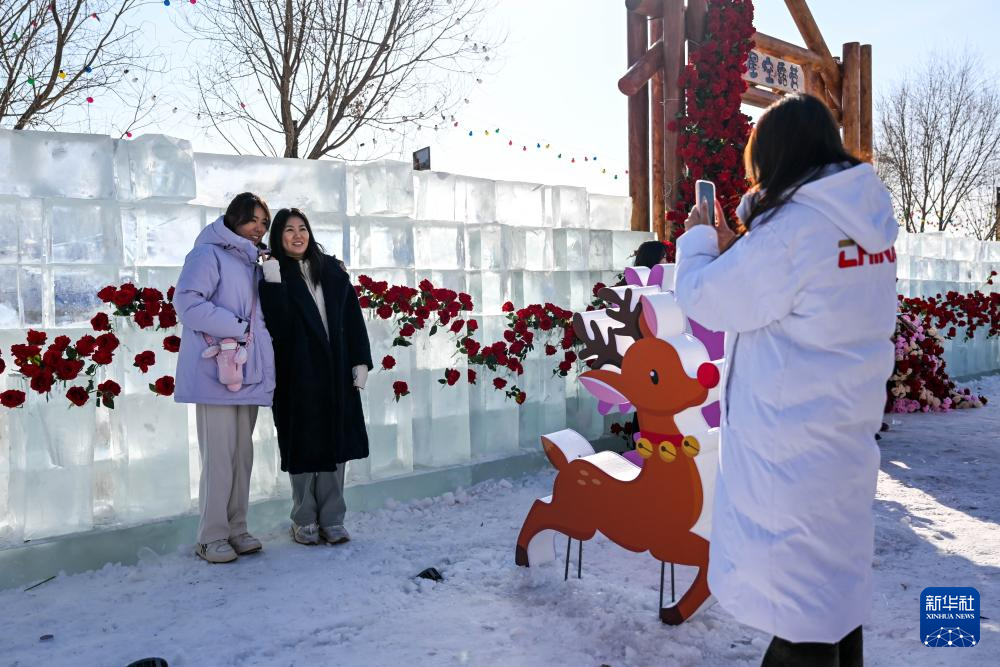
{"type": "Point", "coordinates": [564, 446]}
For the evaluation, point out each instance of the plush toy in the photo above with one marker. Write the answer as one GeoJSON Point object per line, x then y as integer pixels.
{"type": "Point", "coordinates": [230, 357]}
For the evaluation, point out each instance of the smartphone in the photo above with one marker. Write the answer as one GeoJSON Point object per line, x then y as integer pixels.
{"type": "Point", "coordinates": [705, 192]}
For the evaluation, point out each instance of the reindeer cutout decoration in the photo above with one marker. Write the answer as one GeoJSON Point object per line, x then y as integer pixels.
{"type": "Point", "coordinates": [642, 359]}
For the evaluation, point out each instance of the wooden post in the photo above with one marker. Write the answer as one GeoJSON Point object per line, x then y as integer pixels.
{"type": "Point", "coordinates": [851, 98]}
{"type": "Point", "coordinates": [813, 38]}
{"type": "Point", "coordinates": [996, 221]}
{"type": "Point", "coordinates": [658, 128]}
{"type": "Point", "coordinates": [673, 46]}
{"type": "Point", "coordinates": [866, 103]}
{"type": "Point", "coordinates": [759, 97]}
{"type": "Point", "coordinates": [651, 8]}
{"type": "Point", "coordinates": [694, 23]}
{"type": "Point", "coordinates": [637, 43]}
{"type": "Point", "coordinates": [650, 63]}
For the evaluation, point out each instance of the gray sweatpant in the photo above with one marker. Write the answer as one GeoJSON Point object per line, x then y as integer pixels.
{"type": "Point", "coordinates": [318, 497]}
{"type": "Point", "coordinates": [225, 440]}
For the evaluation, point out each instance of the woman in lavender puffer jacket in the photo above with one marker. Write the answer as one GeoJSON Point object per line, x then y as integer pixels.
{"type": "Point", "coordinates": [216, 299]}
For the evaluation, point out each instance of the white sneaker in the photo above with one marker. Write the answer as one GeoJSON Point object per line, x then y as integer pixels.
{"type": "Point", "coordinates": [245, 543]}
{"type": "Point", "coordinates": [334, 534]}
{"type": "Point", "coordinates": [305, 534]}
{"type": "Point", "coordinates": [217, 551]}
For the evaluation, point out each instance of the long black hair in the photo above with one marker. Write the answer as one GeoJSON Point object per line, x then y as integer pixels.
{"type": "Point", "coordinates": [649, 254]}
{"type": "Point", "coordinates": [241, 210]}
{"type": "Point", "coordinates": [790, 144]}
{"type": "Point", "coordinates": [314, 251]}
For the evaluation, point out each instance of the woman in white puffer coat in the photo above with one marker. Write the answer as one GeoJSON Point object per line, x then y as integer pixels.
{"type": "Point", "coordinates": [807, 299]}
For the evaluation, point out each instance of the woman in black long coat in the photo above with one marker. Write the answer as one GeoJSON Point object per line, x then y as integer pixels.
{"type": "Point", "coordinates": [322, 358]}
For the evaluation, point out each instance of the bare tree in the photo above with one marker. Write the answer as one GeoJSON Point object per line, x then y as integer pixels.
{"type": "Point", "coordinates": [939, 130]}
{"type": "Point", "coordinates": [980, 213]}
{"type": "Point", "coordinates": [300, 78]}
{"type": "Point", "coordinates": [58, 53]}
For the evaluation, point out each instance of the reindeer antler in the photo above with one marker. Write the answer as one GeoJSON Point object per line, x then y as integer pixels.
{"type": "Point", "coordinates": [628, 312]}
{"type": "Point", "coordinates": [596, 349]}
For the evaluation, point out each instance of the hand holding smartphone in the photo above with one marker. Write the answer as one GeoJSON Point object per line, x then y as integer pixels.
{"type": "Point", "coordinates": [704, 192]}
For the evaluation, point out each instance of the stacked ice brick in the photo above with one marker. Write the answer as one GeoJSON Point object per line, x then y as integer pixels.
{"type": "Point", "coordinates": [929, 264]}
{"type": "Point", "coordinates": [78, 212]}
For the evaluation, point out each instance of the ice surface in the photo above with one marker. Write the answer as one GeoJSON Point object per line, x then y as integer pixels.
{"type": "Point", "coordinates": [56, 164]}
{"type": "Point", "coordinates": [624, 245]}
{"type": "Point", "coordinates": [154, 439]}
{"type": "Point", "coordinates": [542, 287]}
{"type": "Point", "coordinates": [566, 206]}
{"type": "Point", "coordinates": [610, 212]}
{"type": "Point", "coordinates": [164, 233]}
{"type": "Point", "coordinates": [384, 187]}
{"type": "Point", "coordinates": [544, 411]}
{"type": "Point", "coordinates": [32, 295]}
{"type": "Point", "coordinates": [578, 287]}
{"type": "Point", "coordinates": [435, 196]}
{"type": "Point", "coordinates": [390, 423]}
{"type": "Point", "coordinates": [22, 231]}
{"type": "Point", "coordinates": [475, 200]}
{"type": "Point", "coordinates": [329, 229]}
{"type": "Point", "coordinates": [10, 311]}
{"type": "Point", "coordinates": [572, 248]}
{"type": "Point", "coordinates": [538, 254]}
{"type": "Point", "coordinates": [75, 292]}
{"type": "Point", "coordinates": [84, 232]}
{"type": "Point", "coordinates": [493, 417]}
{"type": "Point", "coordinates": [51, 467]}
{"type": "Point", "coordinates": [601, 258]}
{"type": "Point", "coordinates": [160, 167]}
{"type": "Point", "coordinates": [440, 412]}
{"type": "Point", "coordinates": [438, 245]}
{"type": "Point", "coordinates": [380, 242]}
{"type": "Point", "coordinates": [311, 185]}
{"type": "Point", "coordinates": [581, 407]}
{"type": "Point", "coordinates": [520, 204]}
{"type": "Point", "coordinates": [488, 246]}
{"type": "Point", "coordinates": [490, 289]}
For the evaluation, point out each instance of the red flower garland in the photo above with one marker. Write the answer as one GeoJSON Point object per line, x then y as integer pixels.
{"type": "Point", "coordinates": [713, 131]}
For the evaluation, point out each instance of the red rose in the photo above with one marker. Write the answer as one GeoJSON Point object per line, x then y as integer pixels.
{"type": "Point", "coordinates": [144, 360]}
{"type": "Point", "coordinates": [143, 319]}
{"type": "Point", "coordinates": [109, 388]}
{"type": "Point", "coordinates": [170, 294]}
{"type": "Point", "coordinates": [507, 307]}
{"type": "Point", "coordinates": [108, 342]}
{"type": "Point", "coordinates": [100, 322]}
{"type": "Point", "coordinates": [69, 369]}
{"type": "Point", "coordinates": [471, 347]}
{"type": "Point", "coordinates": [42, 382]}
{"type": "Point", "coordinates": [472, 376]}
{"type": "Point", "coordinates": [521, 398]}
{"type": "Point", "coordinates": [465, 300]}
{"type": "Point", "coordinates": [107, 294]}
{"type": "Point", "coordinates": [399, 388]}
{"type": "Point", "coordinates": [12, 398]}
{"type": "Point", "coordinates": [151, 294]}
{"type": "Point", "coordinates": [364, 302]}
{"type": "Point", "coordinates": [422, 313]}
{"type": "Point", "coordinates": [30, 370]}
{"type": "Point", "coordinates": [499, 383]}
{"type": "Point", "coordinates": [61, 343]}
{"type": "Point", "coordinates": [517, 348]}
{"type": "Point", "coordinates": [616, 428]}
{"type": "Point", "coordinates": [426, 286]}
{"type": "Point", "coordinates": [509, 336]}
{"type": "Point", "coordinates": [152, 307]}
{"type": "Point", "coordinates": [549, 350]}
{"type": "Point", "coordinates": [388, 362]}
{"type": "Point", "coordinates": [451, 376]}
{"type": "Point", "coordinates": [164, 386]}
{"type": "Point", "coordinates": [172, 344]}
{"type": "Point", "coordinates": [407, 330]}
{"type": "Point", "coordinates": [457, 326]}
{"type": "Point", "coordinates": [36, 337]}
{"type": "Point", "coordinates": [168, 316]}
{"type": "Point", "coordinates": [3, 365]}
{"type": "Point", "coordinates": [384, 311]}
{"type": "Point", "coordinates": [102, 357]}
{"type": "Point", "coordinates": [471, 325]}
{"type": "Point", "coordinates": [564, 366]}
{"type": "Point", "coordinates": [77, 396]}
{"type": "Point", "coordinates": [570, 356]}
{"type": "Point", "coordinates": [85, 345]}
{"type": "Point", "coordinates": [124, 297]}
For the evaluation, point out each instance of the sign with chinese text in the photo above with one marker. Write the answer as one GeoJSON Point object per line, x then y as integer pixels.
{"type": "Point", "coordinates": [949, 617]}
{"type": "Point", "coordinates": [767, 70]}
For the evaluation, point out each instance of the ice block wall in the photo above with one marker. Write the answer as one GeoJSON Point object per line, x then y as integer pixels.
{"type": "Point", "coordinates": [930, 264]}
{"type": "Point", "coordinates": [78, 212]}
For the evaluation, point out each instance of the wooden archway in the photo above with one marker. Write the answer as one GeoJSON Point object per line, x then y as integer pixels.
{"type": "Point", "coordinates": [659, 32]}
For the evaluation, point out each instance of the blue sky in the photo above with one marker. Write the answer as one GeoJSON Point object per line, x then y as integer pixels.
{"type": "Point", "coordinates": [555, 81]}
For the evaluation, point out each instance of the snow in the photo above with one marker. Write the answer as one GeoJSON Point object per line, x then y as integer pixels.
{"type": "Point", "coordinates": [359, 603]}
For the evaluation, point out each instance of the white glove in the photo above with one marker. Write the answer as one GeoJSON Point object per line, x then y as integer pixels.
{"type": "Point", "coordinates": [360, 374]}
{"type": "Point", "coordinates": [272, 270]}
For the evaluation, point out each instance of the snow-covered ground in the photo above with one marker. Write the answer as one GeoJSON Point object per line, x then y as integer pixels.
{"type": "Point", "coordinates": [359, 603]}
